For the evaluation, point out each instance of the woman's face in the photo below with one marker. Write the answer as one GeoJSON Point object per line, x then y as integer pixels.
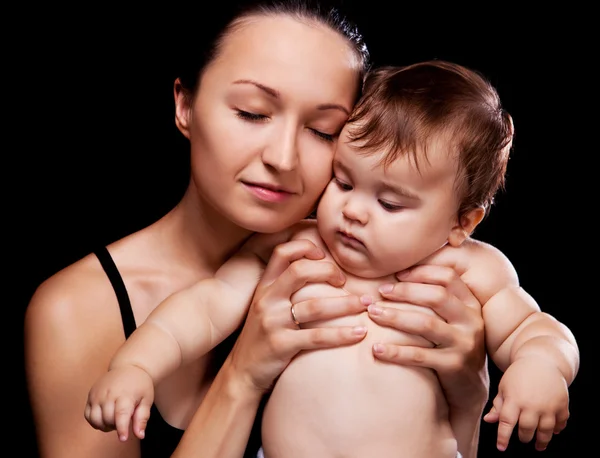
{"type": "Point", "coordinates": [265, 121]}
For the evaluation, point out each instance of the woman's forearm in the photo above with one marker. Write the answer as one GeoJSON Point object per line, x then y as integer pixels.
{"type": "Point", "coordinates": [221, 426]}
{"type": "Point", "coordinates": [466, 426]}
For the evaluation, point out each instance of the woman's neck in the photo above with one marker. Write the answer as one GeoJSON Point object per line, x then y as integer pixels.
{"type": "Point", "coordinates": [196, 236]}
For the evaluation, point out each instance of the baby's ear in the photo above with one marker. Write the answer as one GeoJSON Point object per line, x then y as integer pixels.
{"type": "Point", "coordinates": [466, 226]}
{"type": "Point", "coordinates": [182, 108]}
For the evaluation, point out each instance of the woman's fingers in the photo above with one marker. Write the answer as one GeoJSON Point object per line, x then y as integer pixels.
{"type": "Point", "coordinates": [304, 271]}
{"type": "Point", "coordinates": [437, 287]}
{"type": "Point", "coordinates": [440, 275]}
{"type": "Point", "coordinates": [412, 322]}
{"type": "Point", "coordinates": [413, 356]}
{"type": "Point", "coordinates": [285, 254]}
{"type": "Point", "coordinates": [316, 338]}
{"type": "Point", "coordinates": [270, 338]}
{"type": "Point", "coordinates": [325, 308]}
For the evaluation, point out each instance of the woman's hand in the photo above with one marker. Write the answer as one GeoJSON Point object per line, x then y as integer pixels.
{"type": "Point", "coordinates": [270, 338]}
{"type": "Point", "coordinates": [459, 355]}
{"type": "Point", "coordinates": [456, 328]}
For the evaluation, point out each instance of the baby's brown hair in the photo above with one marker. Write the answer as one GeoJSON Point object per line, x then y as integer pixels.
{"type": "Point", "coordinates": [403, 109]}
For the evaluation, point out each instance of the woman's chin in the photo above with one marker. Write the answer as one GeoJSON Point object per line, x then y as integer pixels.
{"type": "Point", "coordinates": [268, 222]}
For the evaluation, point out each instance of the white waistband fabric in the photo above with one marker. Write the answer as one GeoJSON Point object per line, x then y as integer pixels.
{"type": "Point", "coordinates": [261, 454]}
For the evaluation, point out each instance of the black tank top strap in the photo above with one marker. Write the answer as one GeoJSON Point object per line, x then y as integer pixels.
{"type": "Point", "coordinates": [118, 285]}
{"type": "Point", "coordinates": [161, 438]}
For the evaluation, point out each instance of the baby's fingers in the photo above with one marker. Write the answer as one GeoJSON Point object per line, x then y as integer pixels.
{"type": "Point", "coordinates": [140, 418]}
{"type": "Point", "coordinates": [94, 414]}
{"type": "Point", "coordinates": [545, 432]}
{"type": "Point", "coordinates": [528, 422]}
{"type": "Point", "coordinates": [507, 419]}
{"type": "Point", "coordinates": [492, 416]}
{"type": "Point", "coordinates": [561, 420]}
{"type": "Point", "coordinates": [123, 412]}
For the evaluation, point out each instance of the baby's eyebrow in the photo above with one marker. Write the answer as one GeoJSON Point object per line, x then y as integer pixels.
{"type": "Point", "coordinates": [396, 188]}
{"type": "Point", "coordinates": [393, 187]}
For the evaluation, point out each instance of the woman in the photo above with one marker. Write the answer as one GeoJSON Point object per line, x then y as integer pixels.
{"type": "Point", "coordinates": [261, 114]}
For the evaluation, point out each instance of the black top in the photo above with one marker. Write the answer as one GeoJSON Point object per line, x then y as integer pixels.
{"type": "Point", "coordinates": [161, 438]}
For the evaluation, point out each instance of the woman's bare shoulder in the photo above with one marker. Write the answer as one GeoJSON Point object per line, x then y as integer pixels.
{"type": "Point", "coordinates": [72, 329]}
{"type": "Point", "coordinates": [72, 303]}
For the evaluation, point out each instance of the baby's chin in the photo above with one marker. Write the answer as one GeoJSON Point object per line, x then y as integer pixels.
{"type": "Point", "coordinates": [359, 265]}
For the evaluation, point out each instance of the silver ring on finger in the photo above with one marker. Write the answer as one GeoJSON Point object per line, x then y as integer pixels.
{"type": "Point", "coordinates": [293, 313]}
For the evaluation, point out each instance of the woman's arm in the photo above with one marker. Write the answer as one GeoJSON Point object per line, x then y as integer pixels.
{"type": "Point", "coordinates": [181, 329]}
{"type": "Point", "coordinates": [459, 357]}
{"type": "Point", "coordinates": [268, 341]}
{"type": "Point", "coordinates": [70, 336]}
{"type": "Point", "coordinates": [221, 426]}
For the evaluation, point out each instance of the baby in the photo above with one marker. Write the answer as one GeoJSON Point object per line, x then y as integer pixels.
{"type": "Point", "coordinates": [415, 171]}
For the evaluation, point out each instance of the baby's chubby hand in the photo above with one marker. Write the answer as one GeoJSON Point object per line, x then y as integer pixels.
{"type": "Point", "coordinates": [534, 393]}
{"type": "Point", "coordinates": [122, 394]}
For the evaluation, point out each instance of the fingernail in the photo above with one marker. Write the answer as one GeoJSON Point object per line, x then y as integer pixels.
{"type": "Point", "coordinates": [122, 438]}
{"type": "Point", "coordinates": [386, 288]}
{"type": "Point", "coordinates": [359, 330]}
{"type": "Point", "coordinates": [378, 348]}
{"type": "Point", "coordinates": [374, 310]}
{"type": "Point", "coordinates": [402, 274]}
{"type": "Point", "coordinates": [366, 300]}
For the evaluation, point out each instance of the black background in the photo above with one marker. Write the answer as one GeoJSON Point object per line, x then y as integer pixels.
{"type": "Point", "coordinates": [96, 153]}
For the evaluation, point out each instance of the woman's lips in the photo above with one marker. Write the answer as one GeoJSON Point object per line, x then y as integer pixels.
{"type": "Point", "coordinates": [267, 194]}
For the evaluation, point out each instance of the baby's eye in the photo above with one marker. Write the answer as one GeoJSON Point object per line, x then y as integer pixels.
{"type": "Point", "coordinates": [343, 186]}
{"type": "Point", "coordinates": [390, 207]}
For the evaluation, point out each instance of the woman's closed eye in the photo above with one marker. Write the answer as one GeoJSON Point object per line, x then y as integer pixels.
{"type": "Point", "coordinates": [247, 116]}
{"type": "Point", "coordinates": [255, 117]}
{"type": "Point", "coordinates": [323, 135]}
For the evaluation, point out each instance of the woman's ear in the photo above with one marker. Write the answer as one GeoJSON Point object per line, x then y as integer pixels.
{"type": "Point", "coordinates": [466, 226]}
{"type": "Point", "coordinates": [182, 108]}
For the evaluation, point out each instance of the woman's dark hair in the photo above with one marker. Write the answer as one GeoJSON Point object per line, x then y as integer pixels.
{"type": "Point", "coordinates": [206, 40]}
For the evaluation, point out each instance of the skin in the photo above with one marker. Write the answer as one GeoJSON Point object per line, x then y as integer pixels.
{"type": "Point", "coordinates": [74, 313]}
{"type": "Point", "coordinates": [359, 216]}
{"type": "Point", "coordinates": [374, 204]}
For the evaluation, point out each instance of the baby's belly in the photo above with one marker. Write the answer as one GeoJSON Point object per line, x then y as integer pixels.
{"type": "Point", "coordinates": [343, 402]}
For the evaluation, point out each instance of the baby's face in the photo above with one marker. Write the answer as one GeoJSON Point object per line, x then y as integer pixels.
{"type": "Point", "coordinates": [379, 220]}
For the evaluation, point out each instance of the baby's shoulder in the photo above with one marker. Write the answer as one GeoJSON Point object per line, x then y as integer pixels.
{"type": "Point", "coordinates": [482, 266]}
{"type": "Point", "coordinates": [479, 255]}
{"type": "Point", "coordinates": [307, 229]}
{"type": "Point", "coordinates": [471, 254]}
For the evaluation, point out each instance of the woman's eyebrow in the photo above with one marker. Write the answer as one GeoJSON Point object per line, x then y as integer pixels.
{"type": "Point", "coordinates": [333, 106]}
{"type": "Point", "coordinates": [274, 93]}
{"type": "Point", "coordinates": [269, 90]}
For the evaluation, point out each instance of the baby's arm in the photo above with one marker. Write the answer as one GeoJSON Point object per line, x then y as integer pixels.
{"type": "Point", "coordinates": [538, 354]}
{"type": "Point", "coordinates": [184, 327]}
